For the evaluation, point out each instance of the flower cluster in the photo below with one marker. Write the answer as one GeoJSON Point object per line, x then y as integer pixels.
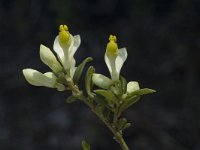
{"type": "Point", "coordinates": [65, 46]}
{"type": "Point", "coordinates": [115, 90]}
{"type": "Point", "coordinates": [108, 98]}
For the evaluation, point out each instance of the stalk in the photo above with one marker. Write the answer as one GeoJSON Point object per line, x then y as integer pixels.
{"type": "Point", "coordinates": [79, 94]}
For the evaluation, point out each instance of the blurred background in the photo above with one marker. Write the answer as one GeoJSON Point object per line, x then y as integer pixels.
{"type": "Point", "coordinates": [163, 43]}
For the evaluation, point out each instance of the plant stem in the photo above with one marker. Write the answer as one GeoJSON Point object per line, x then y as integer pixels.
{"type": "Point", "coordinates": [117, 134]}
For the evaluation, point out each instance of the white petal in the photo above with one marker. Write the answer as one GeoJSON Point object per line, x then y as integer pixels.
{"type": "Point", "coordinates": [50, 75]}
{"type": "Point", "coordinates": [101, 81]}
{"type": "Point", "coordinates": [59, 86]}
{"type": "Point", "coordinates": [72, 71]}
{"type": "Point", "coordinates": [74, 45]}
{"type": "Point", "coordinates": [49, 59]}
{"type": "Point", "coordinates": [36, 78]}
{"type": "Point", "coordinates": [132, 86]}
{"type": "Point", "coordinates": [59, 50]}
{"type": "Point", "coordinates": [121, 58]}
{"type": "Point", "coordinates": [110, 62]}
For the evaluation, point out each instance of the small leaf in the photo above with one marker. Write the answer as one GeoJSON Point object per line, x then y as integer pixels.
{"type": "Point", "coordinates": [121, 123]}
{"type": "Point", "coordinates": [88, 80]}
{"type": "Point", "coordinates": [123, 84]}
{"type": "Point", "coordinates": [99, 99]}
{"type": "Point", "coordinates": [71, 99]}
{"type": "Point", "coordinates": [108, 115]}
{"type": "Point", "coordinates": [109, 96]}
{"type": "Point", "coordinates": [100, 108]}
{"type": "Point", "coordinates": [128, 102]}
{"type": "Point", "coordinates": [127, 125]}
{"type": "Point", "coordinates": [79, 69]}
{"type": "Point", "coordinates": [85, 145]}
{"type": "Point", "coordinates": [117, 88]}
{"type": "Point", "coordinates": [141, 92]}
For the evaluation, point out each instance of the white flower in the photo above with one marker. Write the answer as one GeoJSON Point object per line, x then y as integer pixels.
{"type": "Point", "coordinates": [65, 45]}
{"type": "Point", "coordinates": [48, 79]}
{"type": "Point", "coordinates": [114, 59]}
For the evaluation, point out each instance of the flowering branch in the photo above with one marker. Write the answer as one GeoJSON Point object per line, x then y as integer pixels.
{"type": "Point", "coordinates": [107, 97]}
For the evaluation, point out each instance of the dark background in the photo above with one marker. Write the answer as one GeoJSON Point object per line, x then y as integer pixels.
{"type": "Point", "coordinates": [162, 38]}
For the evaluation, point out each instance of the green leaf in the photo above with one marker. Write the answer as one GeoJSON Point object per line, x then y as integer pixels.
{"type": "Point", "coordinates": [123, 84]}
{"type": "Point", "coordinates": [85, 145]}
{"type": "Point", "coordinates": [127, 125]}
{"type": "Point", "coordinates": [121, 123]}
{"type": "Point", "coordinates": [128, 102]}
{"type": "Point", "coordinates": [99, 99]}
{"type": "Point", "coordinates": [71, 99]}
{"type": "Point", "coordinates": [88, 81]}
{"type": "Point", "coordinates": [109, 96]}
{"type": "Point", "coordinates": [79, 69]}
{"type": "Point", "coordinates": [141, 92]}
{"type": "Point", "coordinates": [100, 108]}
{"type": "Point", "coordinates": [117, 88]}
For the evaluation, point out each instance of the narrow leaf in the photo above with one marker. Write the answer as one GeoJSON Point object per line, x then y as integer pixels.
{"type": "Point", "coordinates": [127, 125]}
{"type": "Point", "coordinates": [123, 84]}
{"type": "Point", "coordinates": [99, 99]}
{"type": "Point", "coordinates": [121, 123]}
{"type": "Point", "coordinates": [141, 92]}
{"type": "Point", "coordinates": [79, 69]}
{"type": "Point", "coordinates": [85, 145]}
{"type": "Point", "coordinates": [100, 108]}
{"type": "Point", "coordinates": [71, 99]}
{"type": "Point", "coordinates": [128, 102]}
{"type": "Point", "coordinates": [109, 96]}
{"type": "Point", "coordinates": [88, 80]}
